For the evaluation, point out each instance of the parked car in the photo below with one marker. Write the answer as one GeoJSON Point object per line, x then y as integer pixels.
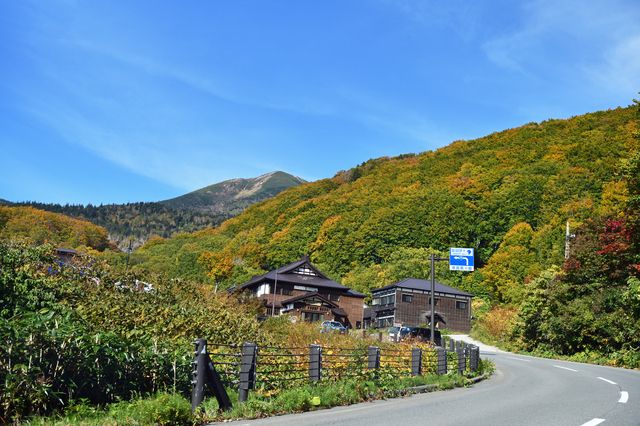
{"type": "Point", "coordinates": [328, 326]}
{"type": "Point", "coordinates": [419, 333]}
{"type": "Point", "coordinates": [393, 331]}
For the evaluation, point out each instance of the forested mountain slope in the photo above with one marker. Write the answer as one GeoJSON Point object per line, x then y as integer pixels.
{"type": "Point", "coordinates": [39, 227]}
{"type": "Point", "coordinates": [205, 208]}
{"type": "Point", "coordinates": [370, 224]}
{"type": "Point", "coordinates": [134, 221]}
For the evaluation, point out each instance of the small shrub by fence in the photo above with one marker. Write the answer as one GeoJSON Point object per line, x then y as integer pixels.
{"type": "Point", "coordinates": [269, 369]}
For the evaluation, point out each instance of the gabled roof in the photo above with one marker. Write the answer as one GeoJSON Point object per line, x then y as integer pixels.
{"type": "Point", "coordinates": [355, 293]}
{"type": "Point", "coordinates": [424, 285]}
{"type": "Point", "coordinates": [309, 296]}
{"type": "Point", "coordinates": [287, 274]}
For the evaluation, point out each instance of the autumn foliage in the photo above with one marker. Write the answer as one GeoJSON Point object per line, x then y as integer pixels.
{"type": "Point", "coordinates": [41, 227]}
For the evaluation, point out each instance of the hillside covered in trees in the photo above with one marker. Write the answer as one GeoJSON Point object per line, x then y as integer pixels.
{"type": "Point", "coordinates": [205, 208]}
{"type": "Point", "coordinates": [509, 195]}
{"type": "Point", "coordinates": [40, 227]}
{"type": "Point", "coordinates": [134, 221]}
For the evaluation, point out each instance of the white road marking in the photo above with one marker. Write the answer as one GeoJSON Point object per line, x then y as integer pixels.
{"type": "Point", "coordinates": [593, 422]}
{"type": "Point", "coordinates": [608, 381]}
{"type": "Point", "coordinates": [565, 368]}
{"type": "Point", "coordinates": [624, 397]}
{"type": "Point", "coordinates": [519, 359]}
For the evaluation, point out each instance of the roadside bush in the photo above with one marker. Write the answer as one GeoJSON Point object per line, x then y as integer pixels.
{"type": "Point", "coordinates": [161, 409]}
{"type": "Point", "coordinates": [84, 333]}
{"type": "Point", "coordinates": [496, 325]}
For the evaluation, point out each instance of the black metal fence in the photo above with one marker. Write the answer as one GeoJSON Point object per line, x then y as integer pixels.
{"type": "Point", "coordinates": [269, 368]}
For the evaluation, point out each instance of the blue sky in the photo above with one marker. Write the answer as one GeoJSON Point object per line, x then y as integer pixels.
{"type": "Point", "coordinates": [125, 101]}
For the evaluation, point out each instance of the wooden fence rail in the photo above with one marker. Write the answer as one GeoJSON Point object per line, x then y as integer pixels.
{"type": "Point", "coordinates": [268, 365]}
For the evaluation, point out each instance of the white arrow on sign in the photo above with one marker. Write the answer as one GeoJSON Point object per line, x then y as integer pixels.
{"type": "Point", "coordinates": [466, 259]}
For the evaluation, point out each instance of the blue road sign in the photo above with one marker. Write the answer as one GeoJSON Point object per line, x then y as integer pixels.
{"type": "Point", "coordinates": [460, 259]}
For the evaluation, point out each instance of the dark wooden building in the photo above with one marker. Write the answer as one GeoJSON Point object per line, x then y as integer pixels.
{"type": "Point", "coordinates": [408, 303]}
{"type": "Point", "coordinates": [301, 290]}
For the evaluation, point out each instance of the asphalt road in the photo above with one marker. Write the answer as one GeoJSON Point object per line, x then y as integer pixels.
{"type": "Point", "coordinates": [523, 391]}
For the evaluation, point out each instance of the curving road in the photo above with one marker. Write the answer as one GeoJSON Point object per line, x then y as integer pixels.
{"type": "Point", "coordinates": [523, 391]}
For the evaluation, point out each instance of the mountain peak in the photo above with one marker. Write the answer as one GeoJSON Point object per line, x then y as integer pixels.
{"type": "Point", "coordinates": [234, 195]}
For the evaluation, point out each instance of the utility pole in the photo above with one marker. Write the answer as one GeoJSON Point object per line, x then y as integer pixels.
{"type": "Point", "coordinates": [275, 288]}
{"type": "Point", "coordinates": [433, 295]}
{"type": "Point", "coordinates": [128, 254]}
{"type": "Point", "coordinates": [566, 242]}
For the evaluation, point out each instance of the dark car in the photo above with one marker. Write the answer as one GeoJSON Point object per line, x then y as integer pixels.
{"type": "Point", "coordinates": [328, 326]}
{"type": "Point", "coordinates": [419, 333]}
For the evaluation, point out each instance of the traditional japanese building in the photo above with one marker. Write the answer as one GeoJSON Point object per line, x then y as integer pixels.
{"type": "Point", "coordinates": [408, 303]}
{"type": "Point", "coordinates": [301, 290]}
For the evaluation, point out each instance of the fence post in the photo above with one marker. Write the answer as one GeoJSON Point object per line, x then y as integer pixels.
{"type": "Point", "coordinates": [462, 361]}
{"type": "Point", "coordinates": [416, 362]}
{"type": "Point", "coordinates": [475, 354]}
{"type": "Point", "coordinates": [442, 361]}
{"type": "Point", "coordinates": [315, 362]}
{"type": "Point", "coordinates": [374, 357]}
{"type": "Point", "coordinates": [452, 345]}
{"type": "Point", "coordinates": [380, 337]}
{"type": "Point", "coordinates": [247, 370]}
{"type": "Point", "coordinates": [199, 375]}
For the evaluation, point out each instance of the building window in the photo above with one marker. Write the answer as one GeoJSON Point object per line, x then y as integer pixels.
{"type": "Point", "coordinates": [407, 298]}
{"type": "Point", "coordinates": [304, 270]}
{"type": "Point", "coordinates": [386, 300]}
{"type": "Point", "coordinates": [436, 301]}
{"type": "Point", "coordinates": [384, 322]}
{"type": "Point", "coordinates": [312, 316]}
{"type": "Point", "coordinates": [461, 305]}
{"type": "Point", "coordinates": [335, 297]}
{"type": "Point", "coordinates": [303, 288]}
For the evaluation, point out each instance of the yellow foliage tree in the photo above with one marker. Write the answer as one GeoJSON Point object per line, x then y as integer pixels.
{"type": "Point", "coordinates": [505, 273]}
{"type": "Point", "coordinates": [219, 265]}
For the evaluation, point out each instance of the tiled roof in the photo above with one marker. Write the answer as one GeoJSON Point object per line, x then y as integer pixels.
{"type": "Point", "coordinates": [425, 285]}
{"type": "Point", "coordinates": [355, 293]}
{"type": "Point", "coordinates": [285, 275]}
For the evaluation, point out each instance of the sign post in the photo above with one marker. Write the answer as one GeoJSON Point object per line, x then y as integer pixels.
{"type": "Point", "coordinates": [461, 259]}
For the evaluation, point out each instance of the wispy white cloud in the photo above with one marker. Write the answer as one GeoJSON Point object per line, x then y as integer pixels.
{"type": "Point", "coordinates": [217, 83]}
{"type": "Point", "coordinates": [459, 16]}
{"type": "Point", "coordinates": [620, 71]}
{"type": "Point", "coordinates": [594, 40]}
{"type": "Point", "coordinates": [336, 101]}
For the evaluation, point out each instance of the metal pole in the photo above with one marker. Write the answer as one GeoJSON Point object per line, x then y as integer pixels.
{"type": "Point", "coordinates": [129, 253]}
{"type": "Point", "coordinates": [433, 306]}
{"type": "Point", "coordinates": [275, 289]}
